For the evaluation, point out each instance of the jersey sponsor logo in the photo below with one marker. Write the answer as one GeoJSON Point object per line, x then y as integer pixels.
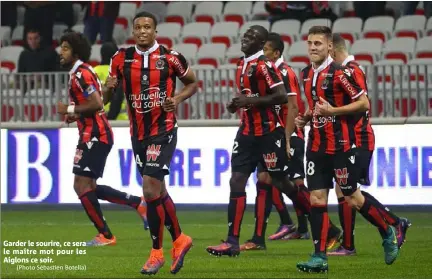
{"type": "Point", "coordinates": [321, 121]}
{"type": "Point", "coordinates": [148, 100]}
{"type": "Point", "coordinates": [347, 85]}
{"type": "Point", "coordinates": [177, 64]}
{"type": "Point", "coordinates": [342, 176]}
{"type": "Point", "coordinates": [270, 160]}
{"type": "Point", "coordinates": [266, 74]}
{"type": "Point", "coordinates": [153, 152]}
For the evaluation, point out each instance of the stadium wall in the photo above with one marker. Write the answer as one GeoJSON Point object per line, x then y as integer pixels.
{"type": "Point", "coordinates": [36, 163]}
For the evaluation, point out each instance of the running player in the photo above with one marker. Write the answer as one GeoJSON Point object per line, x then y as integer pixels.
{"type": "Point", "coordinates": [147, 72]}
{"type": "Point", "coordinates": [346, 212]}
{"type": "Point", "coordinates": [268, 194]}
{"type": "Point", "coordinates": [96, 137]}
{"type": "Point", "coordinates": [261, 137]}
{"type": "Point", "coordinates": [336, 146]}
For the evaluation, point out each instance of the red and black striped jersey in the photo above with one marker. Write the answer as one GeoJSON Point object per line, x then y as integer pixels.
{"type": "Point", "coordinates": [82, 83]}
{"type": "Point", "coordinates": [365, 136]}
{"type": "Point", "coordinates": [149, 78]}
{"type": "Point", "coordinates": [255, 77]}
{"type": "Point", "coordinates": [292, 88]}
{"type": "Point", "coordinates": [337, 85]}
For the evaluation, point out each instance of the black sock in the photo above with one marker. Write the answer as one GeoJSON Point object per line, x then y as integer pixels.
{"type": "Point", "coordinates": [319, 226]}
{"type": "Point", "coordinates": [300, 197]}
{"type": "Point", "coordinates": [371, 213]}
{"type": "Point", "coordinates": [171, 221]}
{"type": "Point", "coordinates": [263, 207]}
{"type": "Point", "coordinates": [347, 220]}
{"type": "Point", "coordinates": [236, 208]}
{"type": "Point", "coordinates": [389, 216]}
{"type": "Point", "coordinates": [279, 203]}
{"type": "Point", "coordinates": [91, 205]}
{"type": "Point", "coordinates": [112, 195]}
{"type": "Point", "coordinates": [156, 220]}
{"type": "Point", "coordinates": [302, 223]}
{"type": "Point", "coordinates": [333, 231]}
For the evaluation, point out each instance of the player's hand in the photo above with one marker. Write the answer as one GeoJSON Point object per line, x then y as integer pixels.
{"type": "Point", "coordinates": [231, 107]}
{"type": "Point", "coordinates": [71, 118]}
{"type": "Point", "coordinates": [300, 121]}
{"type": "Point", "coordinates": [169, 105]}
{"type": "Point", "coordinates": [111, 82]}
{"type": "Point", "coordinates": [323, 108]}
{"type": "Point", "coordinates": [241, 101]}
{"type": "Point", "coordinates": [61, 108]}
{"type": "Point", "coordinates": [288, 148]}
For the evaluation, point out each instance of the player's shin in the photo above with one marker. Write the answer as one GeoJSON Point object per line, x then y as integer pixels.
{"type": "Point", "coordinates": [370, 210]}
{"type": "Point", "coordinates": [171, 220]}
{"type": "Point", "coordinates": [389, 216]}
{"type": "Point", "coordinates": [112, 195]}
{"type": "Point", "coordinates": [155, 210]}
{"type": "Point", "coordinates": [319, 220]}
{"type": "Point", "coordinates": [91, 205]}
{"type": "Point", "coordinates": [347, 220]}
{"type": "Point", "coordinates": [263, 206]}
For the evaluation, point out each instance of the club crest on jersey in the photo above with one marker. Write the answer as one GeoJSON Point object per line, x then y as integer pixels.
{"type": "Point", "coordinates": [144, 80]}
{"type": "Point", "coordinates": [250, 71]}
{"type": "Point", "coordinates": [314, 95]}
{"type": "Point", "coordinates": [160, 64]}
{"type": "Point", "coordinates": [325, 84]}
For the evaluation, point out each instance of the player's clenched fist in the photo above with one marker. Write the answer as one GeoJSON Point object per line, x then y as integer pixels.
{"type": "Point", "coordinates": [231, 107]}
{"type": "Point", "coordinates": [111, 82]}
{"type": "Point", "coordinates": [169, 105]}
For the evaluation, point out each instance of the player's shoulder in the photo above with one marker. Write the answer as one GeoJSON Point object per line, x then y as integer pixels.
{"type": "Point", "coordinates": [285, 68]}
{"type": "Point", "coordinates": [120, 53]}
{"type": "Point", "coordinates": [84, 70]}
{"type": "Point", "coordinates": [170, 52]}
{"type": "Point", "coordinates": [305, 71]}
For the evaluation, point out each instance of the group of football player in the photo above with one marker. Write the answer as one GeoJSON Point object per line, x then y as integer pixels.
{"type": "Point", "coordinates": [270, 139]}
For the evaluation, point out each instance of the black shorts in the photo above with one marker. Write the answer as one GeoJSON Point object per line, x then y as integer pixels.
{"type": "Point", "coordinates": [268, 150]}
{"type": "Point", "coordinates": [347, 168]}
{"type": "Point", "coordinates": [90, 159]}
{"type": "Point", "coordinates": [153, 156]}
{"type": "Point", "coordinates": [296, 167]}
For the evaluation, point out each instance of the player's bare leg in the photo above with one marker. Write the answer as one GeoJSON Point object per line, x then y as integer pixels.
{"type": "Point", "coordinates": [319, 221]}
{"type": "Point", "coordinates": [347, 216]}
{"type": "Point", "coordinates": [181, 242]}
{"type": "Point", "coordinates": [236, 208]}
{"type": "Point", "coordinates": [112, 195]}
{"type": "Point", "coordinates": [371, 210]}
{"type": "Point", "coordinates": [85, 188]}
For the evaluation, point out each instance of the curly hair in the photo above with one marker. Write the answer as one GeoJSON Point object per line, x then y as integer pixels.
{"type": "Point", "coordinates": [80, 45]}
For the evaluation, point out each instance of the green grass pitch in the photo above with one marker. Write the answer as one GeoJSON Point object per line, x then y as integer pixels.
{"type": "Point", "coordinates": [207, 227]}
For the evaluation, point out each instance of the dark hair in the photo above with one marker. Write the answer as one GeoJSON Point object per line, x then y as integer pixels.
{"type": "Point", "coordinates": [276, 42]}
{"type": "Point", "coordinates": [33, 30]}
{"type": "Point", "coordinates": [338, 41]}
{"type": "Point", "coordinates": [261, 31]}
{"type": "Point", "coordinates": [146, 14]}
{"type": "Point", "coordinates": [322, 30]}
{"type": "Point", "coordinates": [108, 49]}
{"type": "Point", "coordinates": [79, 43]}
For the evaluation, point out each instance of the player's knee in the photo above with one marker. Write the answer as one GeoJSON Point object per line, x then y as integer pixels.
{"type": "Point", "coordinates": [238, 182]}
{"type": "Point", "coordinates": [264, 177]}
{"type": "Point", "coordinates": [355, 200]}
{"type": "Point", "coordinates": [151, 187]}
{"type": "Point", "coordinates": [83, 184]}
{"type": "Point", "coordinates": [318, 197]}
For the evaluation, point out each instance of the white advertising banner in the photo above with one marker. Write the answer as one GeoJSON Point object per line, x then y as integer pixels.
{"type": "Point", "coordinates": [36, 166]}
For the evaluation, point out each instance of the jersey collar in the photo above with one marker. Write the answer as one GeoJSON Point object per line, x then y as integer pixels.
{"type": "Point", "coordinates": [324, 65]}
{"type": "Point", "coordinates": [75, 66]}
{"type": "Point", "coordinates": [279, 61]}
{"type": "Point", "coordinates": [253, 57]}
{"type": "Point", "coordinates": [149, 51]}
{"type": "Point", "coordinates": [348, 59]}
